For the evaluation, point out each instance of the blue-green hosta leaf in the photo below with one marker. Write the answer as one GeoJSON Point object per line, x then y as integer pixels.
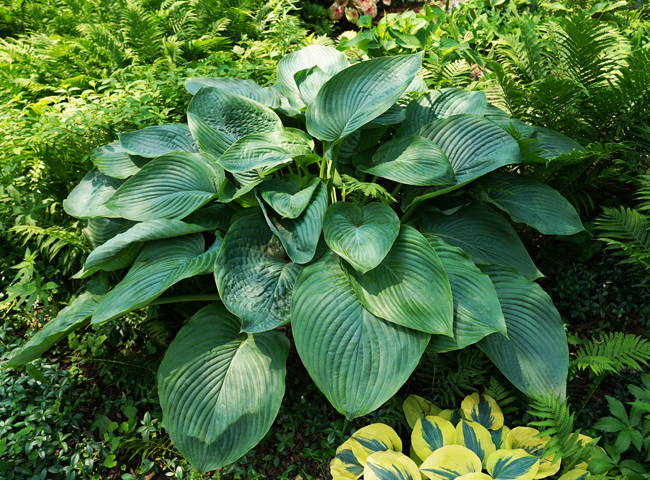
{"type": "Point", "coordinates": [309, 81]}
{"type": "Point", "coordinates": [501, 118]}
{"type": "Point", "coordinates": [411, 160]}
{"type": "Point", "coordinates": [161, 264]}
{"type": "Point", "coordinates": [363, 235]}
{"type": "Point", "coordinates": [477, 312]}
{"type": "Point", "coordinates": [245, 88]}
{"type": "Point", "coordinates": [409, 287]}
{"type": "Point", "coordinates": [218, 118]}
{"type": "Point", "coordinates": [67, 321]}
{"type": "Point", "coordinates": [113, 161]}
{"type": "Point", "coordinates": [130, 243]}
{"type": "Point", "coordinates": [532, 202]}
{"type": "Point", "coordinates": [327, 59]}
{"type": "Point", "coordinates": [219, 389]}
{"type": "Point", "coordinates": [229, 192]}
{"type": "Point", "coordinates": [300, 235]}
{"type": "Point", "coordinates": [286, 195]}
{"type": "Point", "coordinates": [152, 142]}
{"type": "Point", "coordinates": [358, 94]}
{"type": "Point", "coordinates": [170, 187]}
{"type": "Point", "coordinates": [87, 199]}
{"type": "Point", "coordinates": [417, 85]}
{"type": "Point", "coordinates": [439, 104]}
{"type": "Point", "coordinates": [265, 150]}
{"type": "Point", "coordinates": [484, 235]}
{"type": "Point", "coordinates": [512, 465]}
{"type": "Point", "coordinates": [214, 216]}
{"type": "Point", "coordinates": [474, 145]}
{"type": "Point", "coordinates": [101, 230]}
{"type": "Point", "coordinates": [394, 115]}
{"type": "Point", "coordinates": [389, 465]}
{"type": "Point", "coordinates": [356, 359]}
{"type": "Point", "coordinates": [553, 144]}
{"type": "Point", "coordinates": [535, 356]}
{"type": "Point", "coordinates": [254, 276]}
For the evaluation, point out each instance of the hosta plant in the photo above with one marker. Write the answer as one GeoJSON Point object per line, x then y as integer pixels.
{"type": "Point", "coordinates": [375, 230]}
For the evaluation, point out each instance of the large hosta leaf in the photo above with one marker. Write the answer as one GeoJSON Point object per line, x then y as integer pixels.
{"type": "Point", "coordinates": [161, 264]}
{"type": "Point", "coordinates": [113, 161]}
{"type": "Point", "coordinates": [300, 235]}
{"type": "Point", "coordinates": [152, 142]}
{"type": "Point", "coordinates": [129, 243]}
{"type": "Point", "coordinates": [329, 60]}
{"type": "Point", "coordinates": [389, 465]}
{"type": "Point", "coordinates": [309, 81]}
{"type": "Point", "coordinates": [409, 287]}
{"type": "Point", "coordinates": [245, 88]}
{"type": "Point", "coordinates": [474, 145]}
{"type": "Point", "coordinates": [477, 312]}
{"type": "Point", "coordinates": [101, 230]}
{"type": "Point", "coordinates": [171, 187]}
{"type": "Point", "coordinates": [532, 202]}
{"type": "Point", "coordinates": [219, 389]}
{"type": "Point", "coordinates": [217, 118]}
{"type": "Point", "coordinates": [286, 195]}
{"type": "Point", "coordinates": [553, 144]}
{"type": "Point", "coordinates": [67, 321]}
{"type": "Point", "coordinates": [484, 235]}
{"type": "Point", "coordinates": [362, 235]}
{"type": "Point", "coordinates": [265, 150]}
{"type": "Point", "coordinates": [501, 118]}
{"type": "Point", "coordinates": [535, 356]}
{"type": "Point", "coordinates": [411, 160]}
{"type": "Point", "coordinates": [355, 96]}
{"type": "Point", "coordinates": [87, 198]}
{"type": "Point", "coordinates": [439, 104]}
{"type": "Point", "coordinates": [254, 276]}
{"type": "Point", "coordinates": [356, 359]}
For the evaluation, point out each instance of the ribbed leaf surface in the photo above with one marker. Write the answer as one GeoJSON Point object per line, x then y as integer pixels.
{"type": "Point", "coordinates": [100, 230]}
{"type": "Point", "coordinates": [87, 198]}
{"type": "Point", "coordinates": [484, 235]}
{"type": "Point", "coordinates": [474, 145]}
{"type": "Point", "coordinates": [254, 276]}
{"type": "Point", "coordinates": [113, 161]}
{"type": "Point", "coordinates": [300, 235]}
{"type": "Point", "coordinates": [170, 187]}
{"type": "Point", "coordinates": [532, 202]}
{"type": "Point", "coordinates": [285, 196]}
{"type": "Point", "coordinates": [161, 264]}
{"type": "Point", "coordinates": [439, 104]}
{"type": "Point", "coordinates": [265, 150]}
{"type": "Point", "coordinates": [554, 144]}
{"type": "Point", "coordinates": [411, 160]}
{"type": "Point", "coordinates": [477, 312]}
{"type": "Point", "coordinates": [309, 82]}
{"type": "Point", "coordinates": [535, 355]}
{"type": "Point", "coordinates": [409, 287]}
{"type": "Point", "coordinates": [220, 390]}
{"type": "Point", "coordinates": [358, 94]}
{"type": "Point", "coordinates": [501, 118]}
{"type": "Point", "coordinates": [356, 359]}
{"type": "Point", "coordinates": [245, 88]}
{"type": "Point", "coordinates": [363, 235]}
{"type": "Point", "coordinates": [152, 142]}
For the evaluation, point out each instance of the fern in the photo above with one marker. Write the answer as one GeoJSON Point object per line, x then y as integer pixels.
{"type": "Point", "coordinates": [626, 232]}
{"type": "Point", "coordinates": [501, 395]}
{"type": "Point", "coordinates": [362, 192]}
{"type": "Point", "coordinates": [161, 447]}
{"type": "Point", "coordinates": [612, 353]}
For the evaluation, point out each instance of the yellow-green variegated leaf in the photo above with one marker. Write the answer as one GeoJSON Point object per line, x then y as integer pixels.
{"type": "Point", "coordinates": [377, 437]}
{"type": "Point", "coordinates": [484, 410]}
{"type": "Point", "coordinates": [526, 438]}
{"type": "Point", "coordinates": [345, 464]}
{"type": "Point", "coordinates": [450, 462]}
{"type": "Point", "coordinates": [362, 235]}
{"type": "Point", "coordinates": [475, 437]}
{"type": "Point", "coordinates": [416, 408]}
{"type": "Point", "coordinates": [430, 434]}
{"type": "Point", "coordinates": [87, 199]}
{"type": "Point", "coordinates": [245, 88]}
{"type": "Point", "coordinates": [161, 264]}
{"type": "Point", "coordinates": [575, 474]}
{"type": "Point", "coordinates": [171, 186]}
{"type": "Point", "coordinates": [286, 195]}
{"type": "Point", "coordinates": [409, 287]}
{"type": "Point", "coordinates": [475, 476]}
{"type": "Point", "coordinates": [535, 356]}
{"type": "Point", "coordinates": [253, 275]}
{"type": "Point", "coordinates": [512, 465]}
{"type": "Point", "coordinates": [477, 312]}
{"type": "Point", "coordinates": [414, 456]}
{"type": "Point", "coordinates": [152, 142]}
{"type": "Point", "coordinates": [220, 390]}
{"type": "Point", "coordinates": [358, 94]}
{"type": "Point", "coordinates": [356, 359]}
{"type": "Point", "coordinates": [499, 437]}
{"type": "Point", "coordinates": [453, 416]}
{"type": "Point", "coordinates": [390, 465]}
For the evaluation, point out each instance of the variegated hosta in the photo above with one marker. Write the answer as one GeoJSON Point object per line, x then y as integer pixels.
{"type": "Point", "coordinates": [250, 192]}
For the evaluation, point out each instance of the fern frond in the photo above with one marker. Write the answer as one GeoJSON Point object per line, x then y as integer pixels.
{"type": "Point", "coordinates": [612, 353]}
{"type": "Point", "coordinates": [364, 191]}
{"type": "Point", "coordinates": [150, 447]}
{"type": "Point", "coordinates": [643, 195]}
{"type": "Point", "coordinates": [501, 395]}
{"type": "Point", "coordinates": [627, 232]}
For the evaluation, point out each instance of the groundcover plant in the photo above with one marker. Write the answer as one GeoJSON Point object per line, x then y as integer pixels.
{"type": "Point", "coordinates": [289, 187]}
